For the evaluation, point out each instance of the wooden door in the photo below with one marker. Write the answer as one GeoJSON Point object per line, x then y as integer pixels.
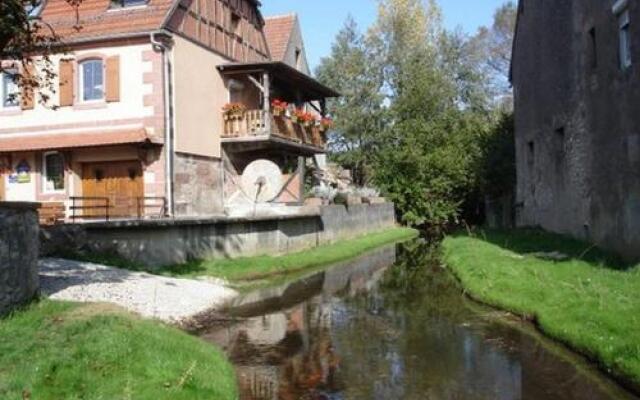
{"type": "Point", "coordinates": [119, 181]}
{"type": "Point", "coordinates": [2, 179]}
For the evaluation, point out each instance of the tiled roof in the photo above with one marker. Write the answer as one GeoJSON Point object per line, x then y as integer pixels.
{"type": "Point", "coordinates": [73, 140]}
{"type": "Point", "coordinates": [278, 33]}
{"type": "Point", "coordinates": [97, 20]}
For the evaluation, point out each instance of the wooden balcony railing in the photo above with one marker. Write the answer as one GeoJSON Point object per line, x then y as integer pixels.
{"type": "Point", "coordinates": [253, 123]}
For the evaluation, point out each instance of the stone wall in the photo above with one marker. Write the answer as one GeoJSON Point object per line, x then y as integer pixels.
{"type": "Point", "coordinates": [19, 246]}
{"type": "Point", "coordinates": [198, 186]}
{"type": "Point", "coordinates": [169, 242]}
{"type": "Point", "coordinates": [576, 119]}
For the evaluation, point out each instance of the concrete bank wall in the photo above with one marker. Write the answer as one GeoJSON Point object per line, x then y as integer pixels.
{"type": "Point", "coordinates": [19, 246]}
{"type": "Point", "coordinates": [169, 242]}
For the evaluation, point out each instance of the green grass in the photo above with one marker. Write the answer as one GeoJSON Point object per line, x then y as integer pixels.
{"type": "Point", "coordinates": [590, 301]}
{"type": "Point", "coordinates": [265, 267]}
{"type": "Point", "coordinates": [56, 350]}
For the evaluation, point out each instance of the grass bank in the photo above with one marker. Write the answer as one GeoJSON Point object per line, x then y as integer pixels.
{"type": "Point", "coordinates": [263, 267]}
{"type": "Point", "coordinates": [56, 350]}
{"type": "Point", "coordinates": [584, 297]}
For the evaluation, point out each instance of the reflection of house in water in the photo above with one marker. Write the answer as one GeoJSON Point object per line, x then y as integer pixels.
{"type": "Point", "coordinates": [284, 348]}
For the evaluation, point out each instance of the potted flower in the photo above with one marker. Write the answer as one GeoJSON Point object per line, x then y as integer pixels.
{"type": "Point", "coordinates": [326, 123]}
{"type": "Point", "coordinates": [233, 111]}
{"type": "Point", "coordinates": [279, 107]}
{"type": "Point", "coordinates": [298, 116]}
{"type": "Point", "coordinates": [309, 120]}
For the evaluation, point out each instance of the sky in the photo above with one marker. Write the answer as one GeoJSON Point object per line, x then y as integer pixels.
{"type": "Point", "coordinates": [321, 20]}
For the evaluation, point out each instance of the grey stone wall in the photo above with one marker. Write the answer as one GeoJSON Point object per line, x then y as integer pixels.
{"type": "Point", "coordinates": [19, 246]}
{"type": "Point", "coordinates": [169, 242]}
{"type": "Point", "coordinates": [577, 125]}
{"type": "Point", "coordinates": [198, 186]}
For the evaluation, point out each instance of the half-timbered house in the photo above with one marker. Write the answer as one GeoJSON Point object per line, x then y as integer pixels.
{"type": "Point", "coordinates": [158, 107]}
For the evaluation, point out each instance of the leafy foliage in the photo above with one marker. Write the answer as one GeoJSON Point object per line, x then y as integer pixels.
{"type": "Point", "coordinates": [27, 44]}
{"type": "Point", "coordinates": [428, 98]}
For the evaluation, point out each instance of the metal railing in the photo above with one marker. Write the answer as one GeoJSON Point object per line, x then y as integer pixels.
{"type": "Point", "coordinates": [103, 208]}
{"type": "Point", "coordinates": [77, 204]}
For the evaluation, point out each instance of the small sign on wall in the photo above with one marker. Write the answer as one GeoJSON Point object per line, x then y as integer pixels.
{"type": "Point", "coordinates": [23, 173]}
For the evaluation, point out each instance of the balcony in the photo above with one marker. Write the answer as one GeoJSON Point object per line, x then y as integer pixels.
{"type": "Point", "coordinates": [256, 126]}
{"type": "Point", "coordinates": [259, 125]}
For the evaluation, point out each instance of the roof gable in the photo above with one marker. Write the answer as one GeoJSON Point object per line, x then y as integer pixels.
{"type": "Point", "coordinates": [278, 30]}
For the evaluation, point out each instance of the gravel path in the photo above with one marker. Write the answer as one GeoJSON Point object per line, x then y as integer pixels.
{"type": "Point", "coordinates": [168, 299]}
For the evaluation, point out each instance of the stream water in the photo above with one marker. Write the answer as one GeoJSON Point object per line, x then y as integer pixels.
{"type": "Point", "coordinates": [393, 324]}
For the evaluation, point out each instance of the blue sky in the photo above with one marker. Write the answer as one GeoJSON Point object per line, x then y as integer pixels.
{"type": "Point", "coordinates": [321, 20]}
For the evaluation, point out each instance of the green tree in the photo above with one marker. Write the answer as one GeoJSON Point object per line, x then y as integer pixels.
{"type": "Point", "coordinates": [359, 114]}
{"type": "Point", "coordinates": [496, 43]}
{"type": "Point", "coordinates": [23, 34]}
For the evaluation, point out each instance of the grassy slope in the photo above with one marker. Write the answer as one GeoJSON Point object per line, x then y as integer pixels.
{"type": "Point", "coordinates": [56, 350]}
{"type": "Point", "coordinates": [590, 301]}
{"type": "Point", "coordinates": [254, 268]}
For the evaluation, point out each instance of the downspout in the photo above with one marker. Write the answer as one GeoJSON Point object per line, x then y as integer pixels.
{"type": "Point", "coordinates": [168, 117]}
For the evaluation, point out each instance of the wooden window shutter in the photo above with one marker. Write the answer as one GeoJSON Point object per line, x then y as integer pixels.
{"type": "Point", "coordinates": [113, 79]}
{"type": "Point", "coordinates": [27, 96]}
{"type": "Point", "coordinates": [65, 87]}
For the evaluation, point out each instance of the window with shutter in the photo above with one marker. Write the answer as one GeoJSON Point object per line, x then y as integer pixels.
{"type": "Point", "coordinates": [65, 88]}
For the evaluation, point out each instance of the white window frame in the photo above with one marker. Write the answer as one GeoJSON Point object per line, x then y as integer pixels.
{"type": "Point", "coordinates": [45, 190]}
{"type": "Point", "coordinates": [81, 64]}
{"type": "Point", "coordinates": [3, 94]}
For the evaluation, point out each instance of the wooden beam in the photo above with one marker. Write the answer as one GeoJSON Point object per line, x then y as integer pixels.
{"type": "Point", "coordinates": [267, 101]}
{"type": "Point", "coordinates": [256, 83]}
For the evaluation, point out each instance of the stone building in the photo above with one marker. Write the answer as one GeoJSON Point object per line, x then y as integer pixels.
{"type": "Point", "coordinates": [576, 79]}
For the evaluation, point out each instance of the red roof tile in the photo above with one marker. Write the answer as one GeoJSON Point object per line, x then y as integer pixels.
{"type": "Point", "coordinates": [278, 33]}
{"type": "Point", "coordinates": [73, 140]}
{"type": "Point", "coordinates": [97, 20]}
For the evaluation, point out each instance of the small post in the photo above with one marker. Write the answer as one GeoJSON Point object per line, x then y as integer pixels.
{"type": "Point", "coordinates": [266, 84]}
{"type": "Point", "coordinates": [301, 171]}
{"type": "Point", "coordinates": [106, 209]}
{"type": "Point", "coordinates": [73, 210]}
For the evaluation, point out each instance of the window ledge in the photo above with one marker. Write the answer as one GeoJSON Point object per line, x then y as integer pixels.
{"type": "Point", "coordinates": [90, 105]}
{"type": "Point", "coordinates": [10, 112]}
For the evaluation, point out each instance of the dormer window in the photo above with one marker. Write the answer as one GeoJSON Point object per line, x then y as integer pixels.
{"type": "Point", "coordinates": [235, 22]}
{"type": "Point", "coordinates": [33, 8]}
{"type": "Point", "coordinates": [127, 3]}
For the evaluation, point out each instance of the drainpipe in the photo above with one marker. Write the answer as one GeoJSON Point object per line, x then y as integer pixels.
{"type": "Point", "coordinates": [168, 116]}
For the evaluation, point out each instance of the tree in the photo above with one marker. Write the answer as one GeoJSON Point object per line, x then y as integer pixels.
{"type": "Point", "coordinates": [26, 43]}
{"type": "Point", "coordinates": [497, 43]}
{"type": "Point", "coordinates": [418, 111]}
{"type": "Point", "coordinates": [359, 113]}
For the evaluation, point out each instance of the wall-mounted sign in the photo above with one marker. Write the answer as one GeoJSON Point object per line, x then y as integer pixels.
{"type": "Point", "coordinates": [23, 172]}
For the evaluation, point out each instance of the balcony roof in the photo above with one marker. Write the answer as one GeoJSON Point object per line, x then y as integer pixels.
{"type": "Point", "coordinates": [294, 84]}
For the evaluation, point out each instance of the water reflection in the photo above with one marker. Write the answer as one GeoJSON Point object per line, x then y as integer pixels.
{"type": "Point", "coordinates": [393, 325]}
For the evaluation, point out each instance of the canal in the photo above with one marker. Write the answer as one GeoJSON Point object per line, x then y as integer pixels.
{"type": "Point", "coordinates": [393, 324]}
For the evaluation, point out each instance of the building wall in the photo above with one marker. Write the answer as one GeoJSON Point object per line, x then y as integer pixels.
{"type": "Point", "coordinates": [577, 135]}
{"type": "Point", "coordinates": [19, 244]}
{"type": "Point", "coordinates": [134, 106]}
{"type": "Point", "coordinates": [198, 186]}
{"type": "Point", "coordinates": [296, 43]}
{"type": "Point", "coordinates": [199, 95]}
{"type": "Point", "coordinates": [140, 105]}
